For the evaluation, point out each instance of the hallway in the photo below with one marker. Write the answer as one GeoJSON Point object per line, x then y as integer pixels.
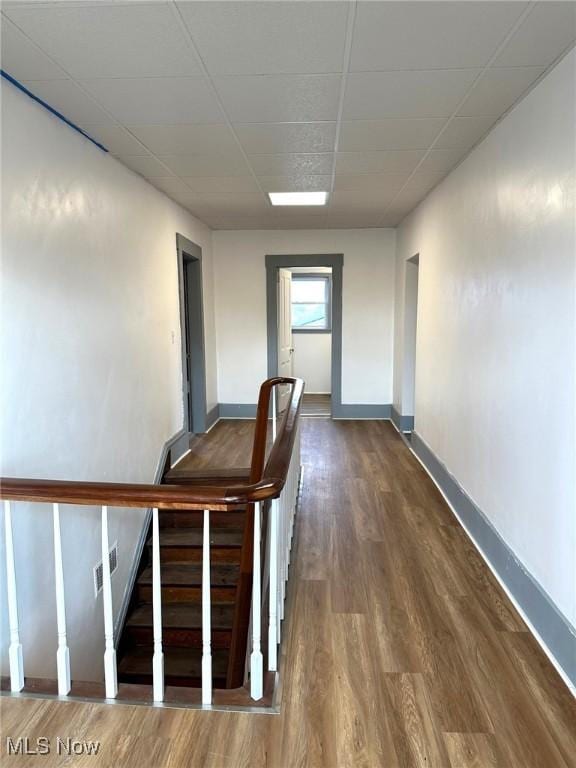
{"type": "Point", "coordinates": [402, 650]}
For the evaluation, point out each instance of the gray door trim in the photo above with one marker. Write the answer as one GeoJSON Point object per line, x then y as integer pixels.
{"type": "Point", "coordinates": [336, 261]}
{"type": "Point", "coordinates": [190, 268]}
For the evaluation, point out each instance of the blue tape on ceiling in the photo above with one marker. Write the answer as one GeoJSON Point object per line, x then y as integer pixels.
{"type": "Point", "coordinates": [55, 112]}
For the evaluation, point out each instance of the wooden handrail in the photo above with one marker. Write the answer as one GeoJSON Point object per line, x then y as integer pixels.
{"type": "Point", "coordinates": [186, 497]}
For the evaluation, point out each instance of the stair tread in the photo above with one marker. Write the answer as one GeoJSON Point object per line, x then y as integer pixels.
{"type": "Point", "coordinates": [190, 574]}
{"type": "Point", "coordinates": [193, 537]}
{"type": "Point", "coordinates": [183, 616]}
{"type": "Point", "coordinates": [178, 662]}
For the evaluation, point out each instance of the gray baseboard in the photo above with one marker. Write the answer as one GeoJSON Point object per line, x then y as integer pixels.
{"type": "Point", "coordinates": [237, 410]}
{"type": "Point", "coordinates": [402, 423]}
{"type": "Point", "coordinates": [361, 411]}
{"type": "Point", "coordinates": [212, 417]}
{"type": "Point", "coordinates": [555, 630]}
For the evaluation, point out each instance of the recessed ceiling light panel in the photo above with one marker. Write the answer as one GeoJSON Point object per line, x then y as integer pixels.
{"type": "Point", "coordinates": [298, 198]}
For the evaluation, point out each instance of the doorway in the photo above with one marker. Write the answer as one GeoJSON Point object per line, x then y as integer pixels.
{"type": "Point", "coordinates": [304, 312]}
{"type": "Point", "coordinates": [410, 333]}
{"type": "Point", "coordinates": [192, 335]}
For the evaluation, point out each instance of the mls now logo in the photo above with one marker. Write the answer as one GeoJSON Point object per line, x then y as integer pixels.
{"type": "Point", "coordinates": [43, 746]}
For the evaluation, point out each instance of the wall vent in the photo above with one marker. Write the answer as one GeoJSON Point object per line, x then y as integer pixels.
{"type": "Point", "coordinates": [99, 571]}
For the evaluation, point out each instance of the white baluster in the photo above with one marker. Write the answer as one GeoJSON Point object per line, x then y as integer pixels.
{"type": "Point", "coordinates": [274, 413]}
{"type": "Point", "coordinates": [110, 672]}
{"type": "Point", "coordinates": [15, 649]}
{"type": "Point", "coordinates": [63, 653]}
{"type": "Point", "coordinates": [273, 594]}
{"type": "Point", "coordinates": [206, 615]}
{"type": "Point", "coordinates": [256, 660]}
{"type": "Point", "coordinates": [158, 657]}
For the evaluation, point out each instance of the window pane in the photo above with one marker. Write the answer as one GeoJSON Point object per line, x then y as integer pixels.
{"type": "Point", "coordinates": [308, 316]}
{"type": "Point", "coordinates": [312, 290]}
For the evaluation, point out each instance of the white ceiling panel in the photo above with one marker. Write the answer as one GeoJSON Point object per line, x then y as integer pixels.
{"type": "Point", "coordinates": [207, 165]}
{"type": "Point", "coordinates": [173, 187]}
{"type": "Point", "coordinates": [497, 90]}
{"type": "Point", "coordinates": [301, 183]}
{"type": "Point", "coordinates": [22, 60]}
{"type": "Point", "coordinates": [379, 95]}
{"type": "Point", "coordinates": [270, 138]}
{"type": "Point", "coordinates": [134, 40]}
{"type": "Point", "coordinates": [156, 101]}
{"type": "Point", "coordinates": [186, 139]}
{"type": "Point", "coordinates": [292, 164]}
{"type": "Point", "coordinates": [547, 31]}
{"type": "Point", "coordinates": [232, 185]}
{"type": "Point", "coordinates": [394, 161]}
{"type": "Point", "coordinates": [353, 220]}
{"type": "Point", "coordinates": [146, 165]}
{"type": "Point", "coordinates": [364, 202]}
{"type": "Point", "coordinates": [361, 135]}
{"type": "Point", "coordinates": [66, 97]}
{"type": "Point", "coordinates": [280, 98]}
{"type": "Point", "coordinates": [429, 35]}
{"type": "Point", "coordinates": [375, 183]}
{"type": "Point", "coordinates": [116, 139]}
{"type": "Point", "coordinates": [243, 38]}
{"type": "Point", "coordinates": [441, 160]}
{"type": "Point", "coordinates": [464, 132]}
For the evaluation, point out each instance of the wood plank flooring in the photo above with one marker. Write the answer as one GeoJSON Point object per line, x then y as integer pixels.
{"type": "Point", "coordinates": [400, 648]}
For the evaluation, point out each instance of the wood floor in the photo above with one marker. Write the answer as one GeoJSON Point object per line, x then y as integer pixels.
{"type": "Point", "coordinates": [401, 649]}
{"type": "Point", "coordinates": [316, 405]}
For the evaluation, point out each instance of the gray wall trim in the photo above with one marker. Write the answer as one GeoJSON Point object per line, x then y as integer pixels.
{"type": "Point", "coordinates": [188, 252]}
{"type": "Point", "coordinates": [402, 423]}
{"type": "Point", "coordinates": [212, 417]}
{"type": "Point", "coordinates": [170, 450]}
{"type": "Point", "coordinates": [336, 261]}
{"type": "Point", "coordinates": [237, 410]}
{"type": "Point", "coordinates": [361, 411]}
{"type": "Point", "coordinates": [555, 630]}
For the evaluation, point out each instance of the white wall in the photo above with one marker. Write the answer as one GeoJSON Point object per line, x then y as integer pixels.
{"type": "Point", "coordinates": [495, 376]}
{"type": "Point", "coordinates": [91, 361]}
{"type": "Point", "coordinates": [368, 307]}
{"type": "Point", "coordinates": [312, 360]}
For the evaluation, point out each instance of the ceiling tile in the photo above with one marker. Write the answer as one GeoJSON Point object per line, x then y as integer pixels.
{"type": "Point", "coordinates": [116, 139]}
{"type": "Point", "coordinates": [421, 183]}
{"type": "Point", "coordinates": [547, 31]}
{"type": "Point", "coordinates": [270, 138]}
{"type": "Point", "coordinates": [498, 90]}
{"type": "Point", "coordinates": [224, 205]}
{"type": "Point", "coordinates": [146, 165]}
{"type": "Point", "coordinates": [301, 183]}
{"type": "Point", "coordinates": [292, 164]}
{"type": "Point", "coordinates": [268, 37]}
{"type": "Point", "coordinates": [394, 161]}
{"type": "Point", "coordinates": [353, 220]}
{"type": "Point", "coordinates": [378, 95]}
{"type": "Point", "coordinates": [363, 202]}
{"type": "Point", "coordinates": [232, 164]}
{"type": "Point", "coordinates": [134, 40]}
{"type": "Point", "coordinates": [464, 132]}
{"type": "Point", "coordinates": [22, 60]}
{"type": "Point", "coordinates": [360, 135]}
{"type": "Point", "coordinates": [370, 182]}
{"type": "Point", "coordinates": [429, 35]}
{"type": "Point", "coordinates": [233, 185]}
{"type": "Point", "coordinates": [441, 160]}
{"type": "Point", "coordinates": [154, 101]}
{"type": "Point", "coordinates": [66, 97]}
{"type": "Point", "coordinates": [186, 139]}
{"type": "Point", "coordinates": [232, 221]}
{"type": "Point", "coordinates": [280, 98]}
{"type": "Point", "coordinates": [173, 187]}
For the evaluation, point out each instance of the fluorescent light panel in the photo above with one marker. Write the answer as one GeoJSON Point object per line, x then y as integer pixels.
{"type": "Point", "coordinates": [298, 198]}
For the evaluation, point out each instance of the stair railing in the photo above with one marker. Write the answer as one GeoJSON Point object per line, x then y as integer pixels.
{"type": "Point", "coordinates": [275, 480]}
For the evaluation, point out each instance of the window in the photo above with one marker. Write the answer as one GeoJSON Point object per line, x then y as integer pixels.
{"type": "Point", "coordinates": [311, 306]}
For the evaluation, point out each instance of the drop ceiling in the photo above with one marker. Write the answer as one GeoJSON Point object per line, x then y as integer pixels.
{"type": "Point", "coordinates": [218, 103]}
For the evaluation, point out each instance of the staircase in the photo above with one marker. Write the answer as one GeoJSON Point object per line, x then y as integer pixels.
{"type": "Point", "coordinates": [181, 536]}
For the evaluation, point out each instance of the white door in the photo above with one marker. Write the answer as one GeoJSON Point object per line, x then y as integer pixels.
{"type": "Point", "coordinates": [285, 348]}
